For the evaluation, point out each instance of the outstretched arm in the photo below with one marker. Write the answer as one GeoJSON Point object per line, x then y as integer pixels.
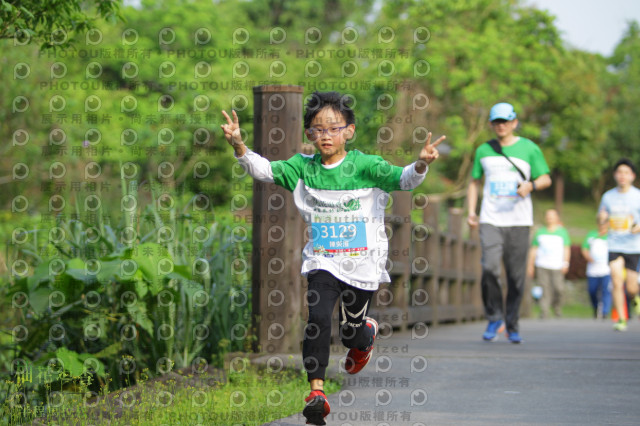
{"type": "Point", "coordinates": [257, 166]}
{"type": "Point", "coordinates": [414, 173]}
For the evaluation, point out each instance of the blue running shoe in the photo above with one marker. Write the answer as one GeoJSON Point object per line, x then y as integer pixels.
{"type": "Point", "coordinates": [491, 334]}
{"type": "Point", "coordinates": [514, 337]}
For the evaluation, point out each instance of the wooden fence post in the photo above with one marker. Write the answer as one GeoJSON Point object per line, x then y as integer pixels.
{"type": "Point", "coordinates": [457, 261]}
{"type": "Point", "coordinates": [399, 248]}
{"type": "Point", "coordinates": [434, 253]}
{"type": "Point", "coordinates": [277, 245]}
{"type": "Point", "coordinates": [475, 271]}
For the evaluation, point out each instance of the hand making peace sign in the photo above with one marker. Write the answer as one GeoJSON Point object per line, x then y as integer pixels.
{"type": "Point", "coordinates": [232, 129]}
{"type": "Point", "coordinates": [429, 152]}
{"type": "Point", "coordinates": [232, 133]}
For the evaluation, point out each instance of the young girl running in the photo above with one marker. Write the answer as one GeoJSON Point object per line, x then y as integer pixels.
{"type": "Point", "coordinates": [342, 196]}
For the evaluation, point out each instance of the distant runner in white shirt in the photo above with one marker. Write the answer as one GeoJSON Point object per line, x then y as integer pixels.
{"type": "Point", "coordinates": [620, 207]}
{"type": "Point", "coordinates": [549, 259]}
{"type": "Point", "coordinates": [596, 252]}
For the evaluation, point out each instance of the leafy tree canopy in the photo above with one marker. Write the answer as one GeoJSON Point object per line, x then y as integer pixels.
{"type": "Point", "coordinates": [52, 23]}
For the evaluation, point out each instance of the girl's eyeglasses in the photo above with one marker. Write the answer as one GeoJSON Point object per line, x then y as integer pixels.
{"type": "Point", "coordinates": [314, 133]}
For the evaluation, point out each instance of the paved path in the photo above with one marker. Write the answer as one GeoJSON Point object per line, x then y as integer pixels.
{"type": "Point", "coordinates": [567, 372]}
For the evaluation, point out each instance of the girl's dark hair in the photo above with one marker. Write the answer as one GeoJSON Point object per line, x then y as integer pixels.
{"type": "Point", "coordinates": [334, 100]}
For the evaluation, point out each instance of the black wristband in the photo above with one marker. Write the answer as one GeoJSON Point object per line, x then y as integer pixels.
{"type": "Point", "coordinates": [533, 186]}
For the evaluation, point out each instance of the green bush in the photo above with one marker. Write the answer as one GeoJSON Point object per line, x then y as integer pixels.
{"type": "Point", "coordinates": [97, 304]}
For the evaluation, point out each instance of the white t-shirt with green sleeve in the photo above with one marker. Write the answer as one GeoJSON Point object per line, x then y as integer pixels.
{"type": "Point", "coordinates": [550, 244]}
{"type": "Point", "coordinates": [343, 205]}
{"type": "Point", "coordinates": [599, 251]}
{"type": "Point", "coordinates": [501, 205]}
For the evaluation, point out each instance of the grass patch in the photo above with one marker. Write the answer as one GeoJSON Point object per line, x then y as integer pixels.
{"type": "Point", "coordinates": [570, 310]}
{"type": "Point", "coordinates": [251, 397]}
{"type": "Point", "coordinates": [577, 303]}
{"type": "Point", "coordinates": [578, 217]}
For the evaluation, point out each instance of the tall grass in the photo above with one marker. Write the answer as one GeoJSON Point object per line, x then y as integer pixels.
{"type": "Point", "coordinates": [99, 302]}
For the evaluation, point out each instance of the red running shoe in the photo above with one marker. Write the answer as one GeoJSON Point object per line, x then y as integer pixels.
{"type": "Point", "coordinates": [317, 408]}
{"type": "Point", "coordinates": [357, 359]}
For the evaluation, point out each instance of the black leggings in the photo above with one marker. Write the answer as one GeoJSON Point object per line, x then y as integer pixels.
{"type": "Point", "coordinates": [324, 291]}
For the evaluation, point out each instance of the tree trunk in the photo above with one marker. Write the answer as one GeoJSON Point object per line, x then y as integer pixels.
{"type": "Point", "coordinates": [558, 180]}
{"type": "Point", "coordinates": [598, 188]}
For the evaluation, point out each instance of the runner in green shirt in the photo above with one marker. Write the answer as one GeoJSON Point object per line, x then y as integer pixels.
{"type": "Point", "coordinates": [342, 196]}
{"type": "Point", "coordinates": [506, 216]}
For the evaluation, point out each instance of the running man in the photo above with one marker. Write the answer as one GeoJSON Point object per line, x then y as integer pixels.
{"type": "Point", "coordinates": [513, 167]}
{"type": "Point", "coordinates": [620, 206]}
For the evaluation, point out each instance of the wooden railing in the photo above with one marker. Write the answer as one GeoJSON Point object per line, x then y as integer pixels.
{"type": "Point", "coordinates": [438, 278]}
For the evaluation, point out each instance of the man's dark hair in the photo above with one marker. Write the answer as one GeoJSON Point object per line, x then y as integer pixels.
{"type": "Point", "coordinates": [624, 162]}
{"type": "Point", "coordinates": [334, 100]}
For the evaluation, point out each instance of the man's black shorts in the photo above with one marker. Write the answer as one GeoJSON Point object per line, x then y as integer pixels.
{"type": "Point", "coordinates": [630, 260]}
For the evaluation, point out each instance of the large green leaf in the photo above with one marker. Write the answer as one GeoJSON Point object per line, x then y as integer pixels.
{"type": "Point", "coordinates": [147, 256]}
{"type": "Point", "coordinates": [80, 275]}
{"type": "Point", "coordinates": [110, 351]}
{"type": "Point", "coordinates": [109, 271]}
{"type": "Point", "coordinates": [142, 288]}
{"type": "Point", "coordinates": [72, 361]}
{"type": "Point", "coordinates": [39, 300]}
{"type": "Point", "coordinates": [40, 274]}
{"type": "Point", "coordinates": [76, 263]}
{"type": "Point", "coordinates": [96, 364]}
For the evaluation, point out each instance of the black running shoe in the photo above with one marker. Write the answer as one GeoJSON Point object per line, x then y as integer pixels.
{"type": "Point", "coordinates": [317, 408]}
